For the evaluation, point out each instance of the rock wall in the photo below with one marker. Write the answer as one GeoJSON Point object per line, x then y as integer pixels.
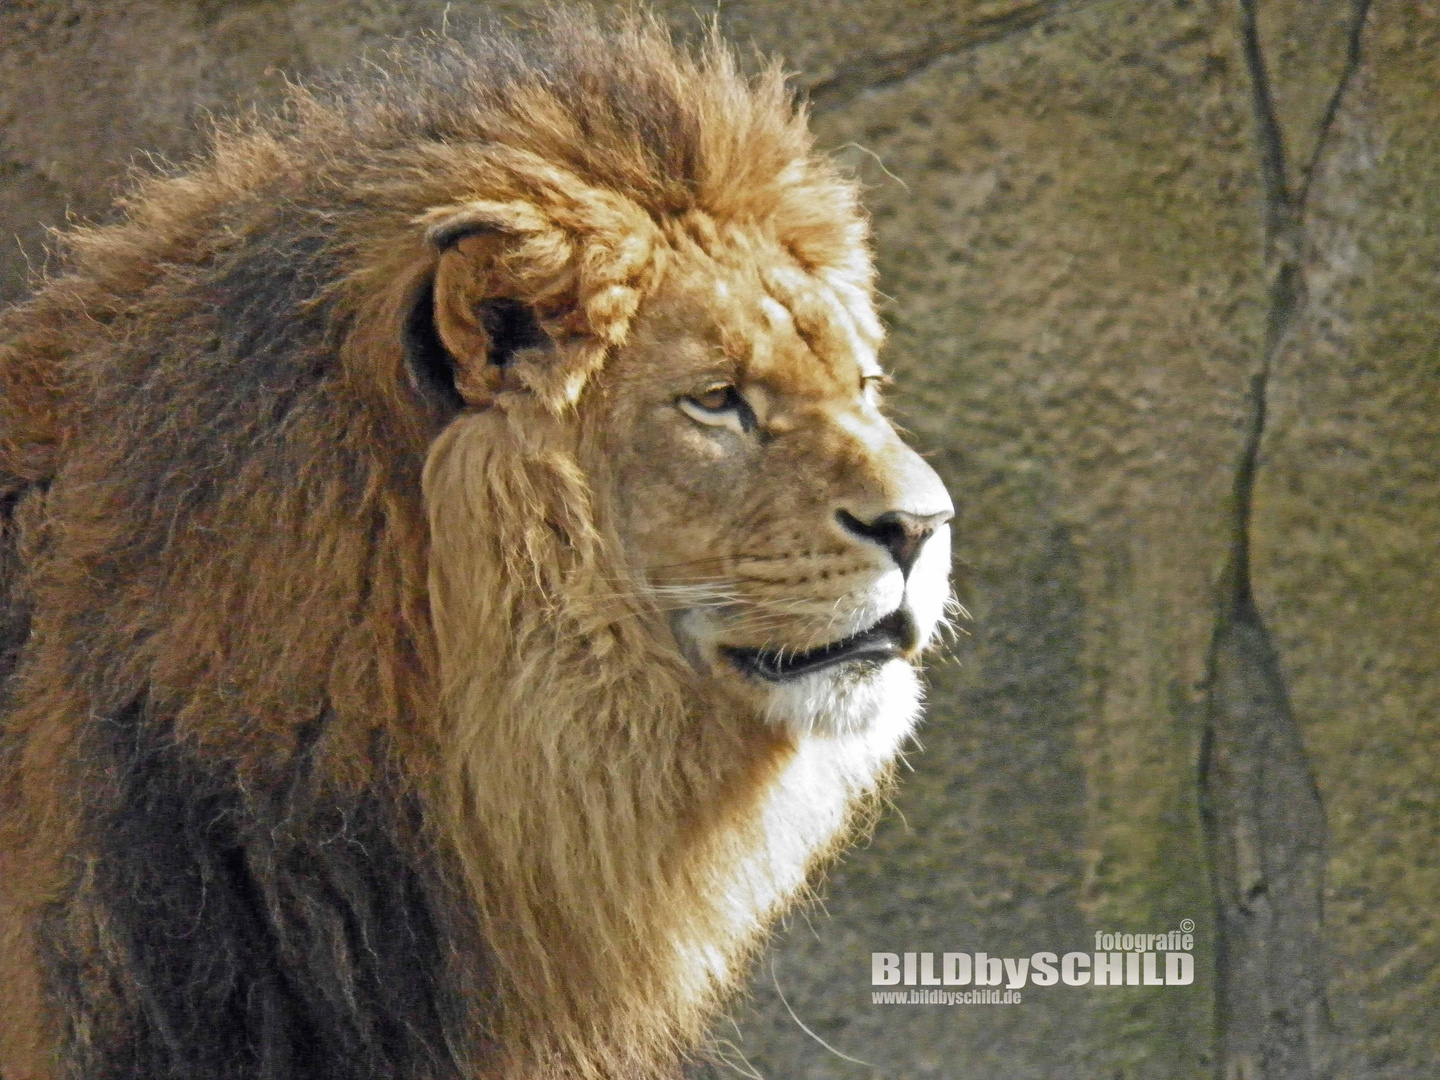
{"type": "Point", "coordinates": [1166, 304]}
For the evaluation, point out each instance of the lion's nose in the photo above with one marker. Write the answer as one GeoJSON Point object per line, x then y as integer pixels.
{"type": "Point", "coordinates": [899, 532]}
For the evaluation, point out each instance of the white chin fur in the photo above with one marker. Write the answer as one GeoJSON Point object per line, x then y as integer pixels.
{"type": "Point", "coordinates": [846, 701]}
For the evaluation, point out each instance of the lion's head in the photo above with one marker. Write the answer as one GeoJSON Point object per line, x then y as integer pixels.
{"type": "Point", "coordinates": [762, 500]}
{"type": "Point", "coordinates": [727, 356]}
{"type": "Point", "coordinates": [489, 466]}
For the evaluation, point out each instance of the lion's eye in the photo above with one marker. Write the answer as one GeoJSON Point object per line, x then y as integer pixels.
{"type": "Point", "coordinates": [720, 406]}
{"type": "Point", "coordinates": [717, 398]}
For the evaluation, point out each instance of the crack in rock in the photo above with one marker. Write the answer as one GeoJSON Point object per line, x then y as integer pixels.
{"type": "Point", "coordinates": [883, 71]}
{"type": "Point", "coordinates": [1264, 821]}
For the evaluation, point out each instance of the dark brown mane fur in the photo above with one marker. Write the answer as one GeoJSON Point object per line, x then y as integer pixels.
{"type": "Point", "coordinates": [218, 674]}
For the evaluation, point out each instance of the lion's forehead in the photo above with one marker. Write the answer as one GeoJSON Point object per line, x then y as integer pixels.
{"type": "Point", "coordinates": [796, 332]}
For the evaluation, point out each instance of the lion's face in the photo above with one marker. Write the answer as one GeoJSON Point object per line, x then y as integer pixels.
{"type": "Point", "coordinates": [800, 547]}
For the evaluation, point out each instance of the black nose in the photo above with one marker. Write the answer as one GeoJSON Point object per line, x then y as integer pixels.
{"type": "Point", "coordinates": [899, 532]}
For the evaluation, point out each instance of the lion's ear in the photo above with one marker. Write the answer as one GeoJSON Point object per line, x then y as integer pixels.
{"type": "Point", "coordinates": [580, 281]}
{"type": "Point", "coordinates": [478, 324]}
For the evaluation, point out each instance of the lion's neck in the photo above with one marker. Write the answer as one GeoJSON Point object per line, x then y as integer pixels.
{"type": "Point", "coordinates": [629, 853]}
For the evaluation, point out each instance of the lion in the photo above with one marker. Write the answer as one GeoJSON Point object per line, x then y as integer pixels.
{"type": "Point", "coordinates": [457, 580]}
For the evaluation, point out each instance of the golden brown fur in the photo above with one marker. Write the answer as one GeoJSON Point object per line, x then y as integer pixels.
{"type": "Point", "coordinates": [364, 642]}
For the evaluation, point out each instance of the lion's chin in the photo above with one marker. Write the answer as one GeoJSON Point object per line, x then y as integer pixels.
{"type": "Point", "coordinates": [850, 699]}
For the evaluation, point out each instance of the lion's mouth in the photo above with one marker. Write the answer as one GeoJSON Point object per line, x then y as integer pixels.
{"type": "Point", "coordinates": [889, 639]}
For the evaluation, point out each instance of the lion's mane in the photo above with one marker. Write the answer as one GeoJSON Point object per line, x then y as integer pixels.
{"type": "Point", "coordinates": [323, 711]}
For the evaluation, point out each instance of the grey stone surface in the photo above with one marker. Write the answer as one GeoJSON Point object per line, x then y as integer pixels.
{"type": "Point", "coordinates": [1106, 248]}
